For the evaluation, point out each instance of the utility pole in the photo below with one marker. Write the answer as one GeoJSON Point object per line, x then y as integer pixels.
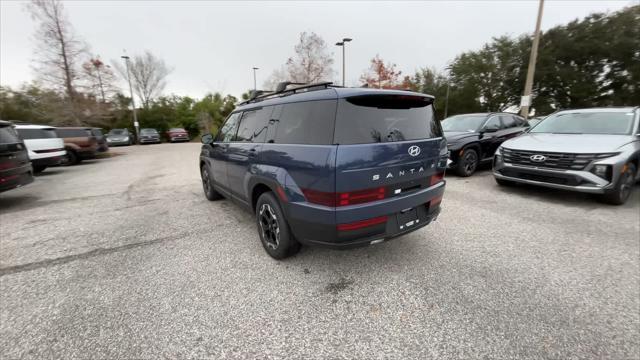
{"type": "Point", "coordinates": [525, 103]}
{"type": "Point", "coordinates": [343, 44]}
{"type": "Point", "coordinates": [136, 125]}
{"type": "Point", "coordinates": [446, 100]}
{"type": "Point", "coordinates": [255, 86]}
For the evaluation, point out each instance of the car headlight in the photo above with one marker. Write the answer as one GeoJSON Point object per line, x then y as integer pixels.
{"type": "Point", "coordinates": [603, 171]}
{"type": "Point", "coordinates": [499, 150]}
{"type": "Point", "coordinates": [126, 139]}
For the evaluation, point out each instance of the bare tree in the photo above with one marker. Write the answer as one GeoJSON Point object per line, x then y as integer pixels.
{"type": "Point", "coordinates": [312, 62]}
{"type": "Point", "coordinates": [100, 79]}
{"type": "Point", "coordinates": [148, 75]}
{"type": "Point", "coordinates": [59, 51]}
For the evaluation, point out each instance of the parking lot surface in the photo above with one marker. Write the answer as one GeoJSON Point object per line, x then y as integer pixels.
{"type": "Point", "coordinates": [125, 258]}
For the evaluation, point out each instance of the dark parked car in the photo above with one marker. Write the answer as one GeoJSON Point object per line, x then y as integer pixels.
{"type": "Point", "coordinates": [149, 136]}
{"type": "Point", "coordinates": [79, 142]}
{"type": "Point", "coordinates": [102, 140]}
{"type": "Point", "coordinates": [120, 137]}
{"type": "Point", "coordinates": [15, 166]}
{"type": "Point", "coordinates": [323, 165]}
{"type": "Point", "coordinates": [474, 138]}
{"type": "Point", "coordinates": [177, 134]}
{"type": "Point", "coordinates": [594, 151]}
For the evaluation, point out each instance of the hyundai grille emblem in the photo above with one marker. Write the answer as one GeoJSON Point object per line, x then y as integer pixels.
{"type": "Point", "coordinates": [538, 158]}
{"type": "Point", "coordinates": [414, 150]}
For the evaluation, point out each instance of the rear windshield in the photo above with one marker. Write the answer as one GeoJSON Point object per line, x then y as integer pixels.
{"type": "Point", "coordinates": [385, 118]}
{"type": "Point", "coordinates": [29, 134]}
{"type": "Point", "coordinates": [69, 133]}
{"type": "Point", "coordinates": [148, 131]}
{"type": "Point", "coordinates": [8, 135]}
{"type": "Point", "coordinates": [118, 132]}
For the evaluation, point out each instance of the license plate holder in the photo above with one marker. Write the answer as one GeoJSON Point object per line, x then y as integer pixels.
{"type": "Point", "coordinates": [407, 218]}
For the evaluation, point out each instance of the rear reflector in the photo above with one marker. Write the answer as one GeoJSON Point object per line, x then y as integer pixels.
{"type": "Point", "coordinates": [435, 201]}
{"type": "Point", "coordinates": [436, 178]}
{"type": "Point", "coordinates": [362, 224]}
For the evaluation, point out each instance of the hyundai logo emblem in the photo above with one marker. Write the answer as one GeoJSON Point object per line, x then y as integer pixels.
{"type": "Point", "coordinates": [538, 158]}
{"type": "Point", "coordinates": [414, 150]}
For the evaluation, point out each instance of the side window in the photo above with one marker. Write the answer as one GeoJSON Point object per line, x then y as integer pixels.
{"type": "Point", "coordinates": [228, 131]}
{"type": "Point", "coordinates": [509, 121]}
{"type": "Point", "coordinates": [253, 126]}
{"type": "Point", "coordinates": [310, 122]}
{"type": "Point", "coordinates": [493, 123]}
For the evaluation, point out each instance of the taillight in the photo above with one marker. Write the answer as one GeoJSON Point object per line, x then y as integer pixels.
{"type": "Point", "coordinates": [362, 223]}
{"type": "Point", "coordinates": [320, 197]}
{"type": "Point", "coordinates": [359, 197]}
{"type": "Point", "coordinates": [344, 198]}
{"type": "Point", "coordinates": [436, 178]}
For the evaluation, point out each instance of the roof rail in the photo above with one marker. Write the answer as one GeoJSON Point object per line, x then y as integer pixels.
{"type": "Point", "coordinates": [281, 90]}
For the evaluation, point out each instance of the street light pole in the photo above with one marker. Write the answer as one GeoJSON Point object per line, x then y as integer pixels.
{"type": "Point", "coordinates": [446, 99]}
{"type": "Point", "coordinates": [255, 86]}
{"type": "Point", "coordinates": [343, 44]}
{"type": "Point", "coordinates": [526, 99]}
{"type": "Point", "coordinates": [136, 125]}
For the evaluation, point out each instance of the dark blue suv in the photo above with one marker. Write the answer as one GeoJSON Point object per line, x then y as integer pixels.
{"type": "Point", "coordinates": [331, 166]}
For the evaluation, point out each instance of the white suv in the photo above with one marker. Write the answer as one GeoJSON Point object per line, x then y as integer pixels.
{"type": "Point", "coordinates": [44, 146]}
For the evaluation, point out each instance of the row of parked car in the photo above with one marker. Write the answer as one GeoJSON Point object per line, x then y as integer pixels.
{"type": "Point", "coordinates": [147, 136]}
{"type": "Point", "coordinates": [27, 149]}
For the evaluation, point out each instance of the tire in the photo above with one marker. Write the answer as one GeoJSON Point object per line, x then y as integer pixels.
{"type": "Point", "coordinates": [273, 228]}
{"type": "Point", "coordinates": [503, 182]}
{"type": "Point", "coordinates": [621, 192]}
{"type": "Point", "coordinates": [207, 185]}
{"type": "Point", "coordinates": [72, 158]}
{"type": "Point", "coordinates": [467, 163]}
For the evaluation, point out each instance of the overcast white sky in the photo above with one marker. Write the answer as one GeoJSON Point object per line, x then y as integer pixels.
{"type": "Point", "coordinates": [213, 45]}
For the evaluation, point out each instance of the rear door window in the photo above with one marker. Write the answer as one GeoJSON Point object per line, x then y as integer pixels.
{"type": "Point", "coordinates": [309, 122]}
{"type": "Point", "coordinates": [228, 131]}
{"type": "Point", "coordinates": [385, 118]}
{"type": "Point", "coordinates": [253, 126]}
{"type": "Point", "coordinates": [29, 134]}
{"type": "Point", "coordinates": [8, 135]}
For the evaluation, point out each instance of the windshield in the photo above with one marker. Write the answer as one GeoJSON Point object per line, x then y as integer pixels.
{"type": "Point", "coordinates": [463, 122]}
{"type": "Point", "coordinates": [117, 132]}
{"type": "Point", "coordinates": [603, 123]}
{"type": "Point", "coordinates": [177, 130]}
{"type": "Point", "coordinates": [148, 131]}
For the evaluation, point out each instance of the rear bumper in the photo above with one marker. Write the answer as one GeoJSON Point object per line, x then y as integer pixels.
{"type": "Point", "coordinates": [174, 139]}
{"type": "Point", "coordinates": [13, 178]}
{"type": "Point", "coordinates": [318, 225]}
{"type": "Point", "coordinates": [49, 161]}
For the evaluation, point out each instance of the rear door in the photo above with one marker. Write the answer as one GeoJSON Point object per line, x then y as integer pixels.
{"type": "Point", "coordinates": [218, 151]}
{"type": "Point", "coordinates": [245, 148]}
{"type": "Point", "coordinates": [387, 142]}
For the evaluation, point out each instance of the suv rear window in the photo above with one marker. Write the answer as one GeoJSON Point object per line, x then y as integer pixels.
{"type": "Point", "coordinates": [8, 135]}
{"type": "Point", "coordinates": [309, 122]}
{"type": "Point", "coordinates": [70, 133]}
{"type": "Point", "coordinates": [385, 118]}
{"type": "Point", "coordinates": [29, 134]}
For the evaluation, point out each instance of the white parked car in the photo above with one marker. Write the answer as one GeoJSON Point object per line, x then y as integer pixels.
{"type": "Point", "coordinates": [43, 144]}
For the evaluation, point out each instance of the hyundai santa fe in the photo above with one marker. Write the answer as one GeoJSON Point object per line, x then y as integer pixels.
{"type": "Point", "coordinates": [329, 166]}
{"type": "Point", "coordinates": [587, 150]}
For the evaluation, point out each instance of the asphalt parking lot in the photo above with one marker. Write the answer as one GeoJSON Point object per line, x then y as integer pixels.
{"type": "Point", "coordinates": [125, 258]}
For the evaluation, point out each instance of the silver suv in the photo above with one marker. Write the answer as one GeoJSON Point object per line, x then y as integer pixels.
{"type": "Point", "coordinates": [587, 150]}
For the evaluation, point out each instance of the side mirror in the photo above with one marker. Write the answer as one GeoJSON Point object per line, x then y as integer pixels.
{"type": "Point", "coordinates": [207, 139]}
{"type": "Point", "coordinates": [488, 130]}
